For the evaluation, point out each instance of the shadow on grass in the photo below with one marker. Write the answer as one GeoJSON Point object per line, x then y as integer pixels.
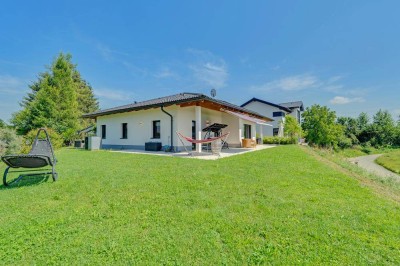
{"type": "Point", "coordinates": [25, 181]}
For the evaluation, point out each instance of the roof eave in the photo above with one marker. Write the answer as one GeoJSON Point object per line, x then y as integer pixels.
{"type": "Point", "coordinates": [138, 108]}
{"type": "Point", "coordinates": [199, 98]}
{"type": "Point", "coordinates": [268, 103]}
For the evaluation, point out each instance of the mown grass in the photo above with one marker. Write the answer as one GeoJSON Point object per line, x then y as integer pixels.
{"type": "Point", "coordinates": [342, 162]}
{"type": "Point", "coordinates": [390, 161]}
{"type": "Point", "coordinates": [362, 151]}
{"type": "Point", "coordinates": [277, 206]}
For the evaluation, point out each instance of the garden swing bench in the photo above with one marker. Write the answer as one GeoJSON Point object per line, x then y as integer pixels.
{"type": "Point", "coordinates": [216, 143]}
{"type": "Point", "coordinates": [40, 155]}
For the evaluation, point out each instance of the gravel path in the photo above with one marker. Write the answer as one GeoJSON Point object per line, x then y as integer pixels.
{"type": "Point", "coordinates": [368, 163]}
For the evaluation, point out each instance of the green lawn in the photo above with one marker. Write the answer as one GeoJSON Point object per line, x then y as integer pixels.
{"type": "Point", "coordinates": [390, 161]}
{"type": "Point", "coordinates": [360, 151]}
{"type": "Point", "coordinates": [277, 206]}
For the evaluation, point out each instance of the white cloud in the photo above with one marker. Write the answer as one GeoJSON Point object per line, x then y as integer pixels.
{"type": "Point", "coordinates": [346, 100]}
{"type": "Point", "coordinates": [291, 83]}
{"type": "Point", "coordinates": [209, 68]}
{"type": "Point", "coordinates": [115, 95]}
{"type": "Point", "coordinates": [396, 113]}
{"type": "Point", "coordinates": [12, 85]}
{"type": "Point", "coordinates": [109, 54]}
{"type": "Point", "coordinates": [333, 88]}
{"type": "Point", "coordinates": [165, 73]}
{"type": "Point", "coordinates": [334, 79]}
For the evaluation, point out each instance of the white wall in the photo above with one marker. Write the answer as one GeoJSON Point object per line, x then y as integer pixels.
{"type": "Point", "coordinates": [296, 114]}
{"type": "Point", "coordinates": [187, 115]}
{"type": "Point", "coordinates": [266, 110]}
{"type": "Point", "coordinates": [140, 126]}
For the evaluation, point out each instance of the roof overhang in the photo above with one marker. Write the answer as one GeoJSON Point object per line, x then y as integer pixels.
{"type": "Point", "coordinates": [198, 100]}
{"type": "Point", "coordinates": [130, 109]}
{"type": "Point", "coordinates": [283, 108]}
{"type": "Point", "coordinates": [248, 118]}
{"type": "Point", "coordinates": [222, 106]}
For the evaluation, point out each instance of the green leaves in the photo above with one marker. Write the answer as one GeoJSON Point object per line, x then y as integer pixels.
{"type": "Point", "coordinates": [9, 141]}
{"type": "Point", "coordinates": [57, 100]}
{"type": "Point", "coordinates": [320, 126]}
{"type": "Point", "coordinates": [292, 127]}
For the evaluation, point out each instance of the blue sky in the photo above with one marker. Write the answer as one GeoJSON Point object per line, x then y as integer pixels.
{"type": "Point", "coordinates": [343, 54]}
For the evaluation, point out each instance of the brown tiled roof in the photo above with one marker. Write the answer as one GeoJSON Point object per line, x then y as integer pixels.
{"type": "Point", "coordinates": [166, 101]}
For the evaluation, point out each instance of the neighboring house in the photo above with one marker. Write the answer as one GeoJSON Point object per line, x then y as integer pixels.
{"type": "Point", "coordinates": [131, 126]}
{"type": "Point", "coordinates": [277, 112]}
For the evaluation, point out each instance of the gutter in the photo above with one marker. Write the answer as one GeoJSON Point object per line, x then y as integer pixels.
{"type": "Point", "coordinates": [172, 129]}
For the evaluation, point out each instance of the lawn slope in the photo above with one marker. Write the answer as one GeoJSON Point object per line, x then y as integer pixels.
{"type": "Point", "coordinates": [279, 206]}
{"type": "Point", "coordinates": [390, 161]}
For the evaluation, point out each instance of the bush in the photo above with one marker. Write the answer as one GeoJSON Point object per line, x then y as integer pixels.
{"type": "Point", "coordinates": [345, 142]}
{"type": "Point", "coordinates": [10, 142]}
{"type": "Point", "coordinates": [280, 140]}
{"type": "Point", "coordinates": [366, 148]}
{"type": "Point", "coordinates": [55, 138]}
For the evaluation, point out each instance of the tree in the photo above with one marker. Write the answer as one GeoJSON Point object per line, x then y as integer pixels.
{"type": "Point", "coordinates": [9, 141]}
{"type": "Point", "coordinates": [383, 129]}
{"type": "Point", "coordinates": [364, 134]}
{"type": "Point", "coordinates": [320, 127]}
{"type": "Point", "coordinates": [351, 128]}
{"type": "Point", "coordinates": [397, 135]}
{"type": "Point", "coordinates": [292, 127]}
{"type": "Point", "coordinates": [2, 124]}
{"type": "Point", "coordinates": [57, 100]}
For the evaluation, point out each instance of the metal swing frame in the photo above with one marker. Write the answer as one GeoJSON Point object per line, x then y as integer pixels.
{"type": "Point", "coordinates": [41, 155]}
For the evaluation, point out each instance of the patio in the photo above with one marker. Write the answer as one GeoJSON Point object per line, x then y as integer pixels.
{"type": "Point", "coordinates": [204, 155]}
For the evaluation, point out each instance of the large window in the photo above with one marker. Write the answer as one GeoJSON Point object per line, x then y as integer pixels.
{"type": "Point", "coordinates": [103, 131]}
{"type": "Point", "coordinates": [156, 129]}
{"type": "Point", "coordinates": [278, 114]}
{"type": "Point", "coordinates": [247, 131]}
{"type": "Point", "coordinates": [124, 131]}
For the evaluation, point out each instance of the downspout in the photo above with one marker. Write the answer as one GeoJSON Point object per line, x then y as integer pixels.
{"type": "Point", "coordinates": [172, 129]}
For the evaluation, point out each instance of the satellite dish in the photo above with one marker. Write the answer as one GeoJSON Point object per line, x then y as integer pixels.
{"type": "Point", "coordinates": [213, 93]}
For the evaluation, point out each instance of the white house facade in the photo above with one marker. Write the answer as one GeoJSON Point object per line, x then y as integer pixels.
{"type": "Point", "coordinates": [157, 121]}
{"type": "Point", "coordinates": [278, 112]}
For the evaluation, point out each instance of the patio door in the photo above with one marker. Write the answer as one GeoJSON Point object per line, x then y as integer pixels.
{"type": "Point", "coordinates": [247, 131]}
{"type": "Point", "coordinates": [193, 134]}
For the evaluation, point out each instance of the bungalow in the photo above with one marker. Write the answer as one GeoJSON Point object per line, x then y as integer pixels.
{"type": "Point", "coordinates": [277, 111]}
{"type": "Point", "coordinates": [131, 126]}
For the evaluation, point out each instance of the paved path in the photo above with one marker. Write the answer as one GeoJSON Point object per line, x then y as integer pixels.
{"type": "Point", "coordinates": [368, 163]}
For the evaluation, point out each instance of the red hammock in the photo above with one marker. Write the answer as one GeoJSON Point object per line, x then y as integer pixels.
{"type": "Point", "coordinates": [202, 140]}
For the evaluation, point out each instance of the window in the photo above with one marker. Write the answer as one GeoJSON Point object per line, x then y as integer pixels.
{"type": "Point", "coordinates": [278, 114]}
{"type": "Point", "coordinates": [275, 131]}
{"type": "Point", "coordinates": [156, 129]}
{"type": "Point", "coordinates": [103, 131]}
{"type": "Point", "coordinates": [124, 130]}
{"type": "Point", "coordinates": [247, 131]}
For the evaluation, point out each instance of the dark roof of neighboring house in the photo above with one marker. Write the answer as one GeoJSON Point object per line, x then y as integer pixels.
{"type": "Point", "coordinates": [291, 105]}
{"type": "Point", "coordinates": [166, 101]}
{"type": "Point", "coordinates": [269, 103]}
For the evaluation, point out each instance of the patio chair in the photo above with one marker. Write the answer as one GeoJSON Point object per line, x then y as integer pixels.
{"type": "Point", "coordinates": [40, 155]}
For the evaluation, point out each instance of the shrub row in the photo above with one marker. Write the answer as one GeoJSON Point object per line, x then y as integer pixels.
{"type": "Point", "coordinates": [280, 140]}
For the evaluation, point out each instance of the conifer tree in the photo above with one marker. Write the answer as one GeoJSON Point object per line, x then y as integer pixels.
{"type": "Point", "coordinates": [57, 100]}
